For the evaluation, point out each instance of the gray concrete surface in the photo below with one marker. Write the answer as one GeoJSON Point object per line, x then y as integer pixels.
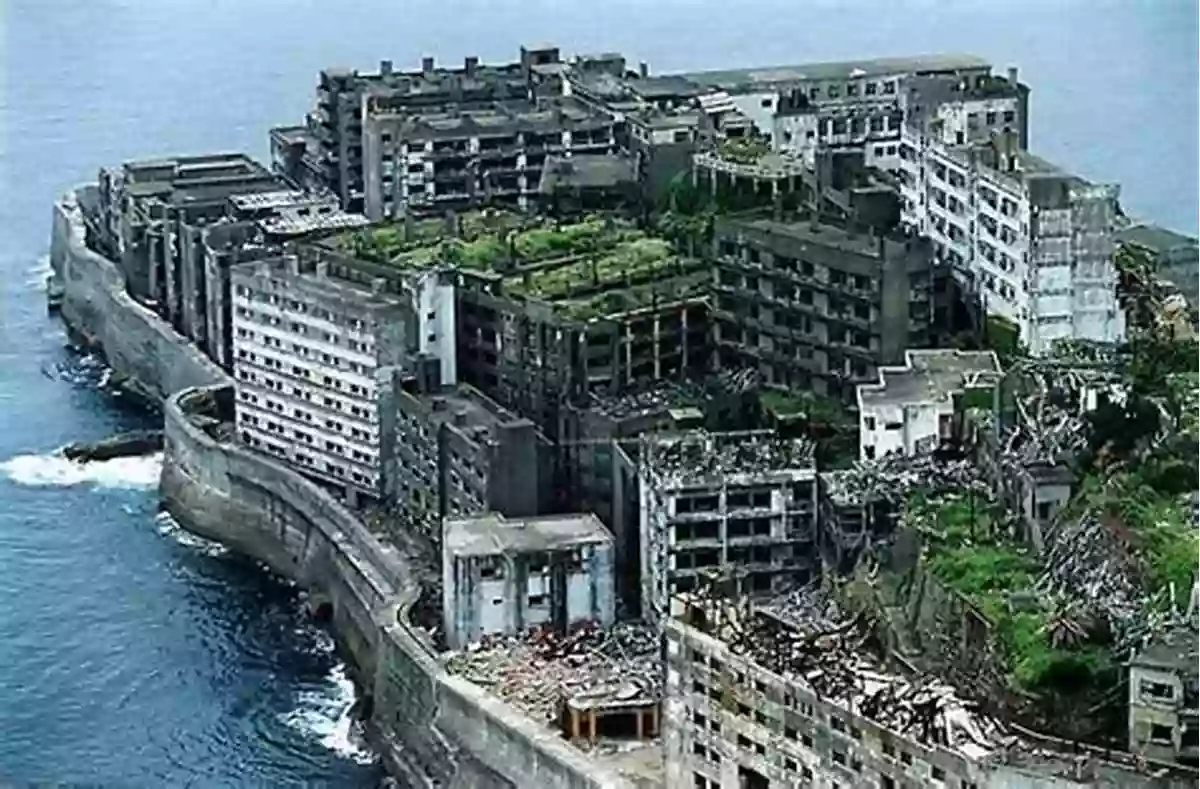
{"type": "Point", "coordinates": [430, 727]}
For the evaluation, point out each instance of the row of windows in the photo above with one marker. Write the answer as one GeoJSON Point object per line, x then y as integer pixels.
{"type": "Point", "coordinates": [303, 330]}
{"type": "Point", "coordinates": [267, 382]}
{"type": "Point", "coordinates": [320, 313]}
{"type": "Point", "coordinates": [306, 460]}
{"type": "Point", "coordinates": [297, 371]}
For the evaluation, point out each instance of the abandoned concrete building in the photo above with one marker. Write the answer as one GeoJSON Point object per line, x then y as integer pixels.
{"type": "Point", "coordinates": [177, 226]}
{"type": "Point", "coordinates": [1164, 697]}
{"type": "Point", "coordinates": [818, 307]}
{"type": "Point", "coordinates": [911, 409]}
{"type": "Point", "coordinates": [503, 576]}
{"type": "Point", "coordinates": [312, 363]}
{"type": "Point", "coordinates": [437, 159]}
{"type": "Point", "coordinates": [724, 499]}
{"type": "Point", "coordinates": [466, 454]}
{"type": "Point", "coordinates": [145, 206]}
{"type": "Point", "coordinates": [784, 694]}
{"type": "Point", "coordinates": [1038, 240]}
{"type": "Point", "coordinates": [328, 149]}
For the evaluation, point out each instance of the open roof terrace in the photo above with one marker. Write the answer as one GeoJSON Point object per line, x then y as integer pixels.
{"type": "Point", "coordinates": [587, 269]}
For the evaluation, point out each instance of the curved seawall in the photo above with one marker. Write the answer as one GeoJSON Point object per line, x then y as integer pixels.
{"type": "Point", "coordinates": [429, 726]}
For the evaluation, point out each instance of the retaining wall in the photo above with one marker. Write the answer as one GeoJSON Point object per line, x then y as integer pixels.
{"type": "Point", "coordinates": [428, 725]}
{"type": "Point", "coordinates": [144, 350]}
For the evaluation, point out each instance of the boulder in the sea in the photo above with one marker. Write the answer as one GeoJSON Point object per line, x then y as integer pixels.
{"type": "Point", "coordinates": [136, 442]}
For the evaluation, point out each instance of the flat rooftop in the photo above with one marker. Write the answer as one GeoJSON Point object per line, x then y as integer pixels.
{"type": "Point", "coordinates": [825, 235]}
{"type": "Point", "coordinates": [930, 376]}
{"type": "Point", "coordinates": [495, 117]}
{"type": "Point", "coordinates": [702, 459]}
{"type": "Point", "coordinates": [493, 534]}
{"type": "Point", "coordinates": [298, 222]}
{"type": "Point", "coordinates": [764, 76]}
{"type": "Point", "coordinates": [586, 171]}
{"type": "Point", "coordinates": [468, 409]}
{"type": "Point", "coordinates": [279, 198]}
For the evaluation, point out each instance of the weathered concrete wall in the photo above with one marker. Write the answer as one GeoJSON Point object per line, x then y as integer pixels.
{"type": "Point", "coordinates": [450, 730]}
{"type": "Point", "coordinates": [152, 358]}
{"type": "Point", "coordinates": [429, 726]}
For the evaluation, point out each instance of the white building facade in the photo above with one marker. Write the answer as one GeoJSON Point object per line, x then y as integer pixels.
{"type": "Point", "coordinates": [1037, 241]}
{"type": "Point", "coordinates": [507, 575]}
{"type": "Point", "coordinates": [910, 409]}
{"type": "Point", "coordinates": [312, 359]}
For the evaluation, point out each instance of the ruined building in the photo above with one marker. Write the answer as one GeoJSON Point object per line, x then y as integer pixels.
{"type": "Point", "coordinates": [911, 410]}
{"type": "Point", "coordinates": [505, 576]}
{"type": "Point", "coordinates": [706, 500]}
{"type": "Point", "coordinates": [787, 694]}
{"type": "Point", "coordinates": [818, 307]}
{"type": "Point", "coordinates": [1038, 240]}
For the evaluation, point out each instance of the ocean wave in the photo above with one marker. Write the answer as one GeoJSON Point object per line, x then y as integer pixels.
{"type": "Point", "coordinates": [53, 470]}
{"type": "Point", "coordinates": [324, 714]}
{"type": "Point", "coordinates": [169, 527]}
{"type": "Point", "coordinates": [38, 273]}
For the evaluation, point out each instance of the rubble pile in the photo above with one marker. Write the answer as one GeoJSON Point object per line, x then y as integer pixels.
{"type": "Point", "coordinates": [802, 634]}
{"type": "Point", "coordinates": [893, 477]}
{"type": "Point", "coordinates": [540, 669]}
{"type": "Point", "coordinates": [1084, 559]}
{"type": "Point", "coordinates": [704, 456]}
{"type": "Point", "coordinates": [662, 395]}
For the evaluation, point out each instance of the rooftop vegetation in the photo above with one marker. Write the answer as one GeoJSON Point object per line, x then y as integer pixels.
{"type": "Point", "coordinates": [744, 150]}
{"type": "Point", "coordinates": [636, 259]}
{"type": "Point", "coordinates": [823, 419]}
{"type": "Point", "coordinates": [613, 302]}
{"type": "Point", "coordinates": [1048, 648]}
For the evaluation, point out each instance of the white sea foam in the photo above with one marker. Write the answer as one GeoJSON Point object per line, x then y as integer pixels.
{"type": "Point", "coordinates": [169, 527]}
{"type": "Point", "coordinates": [325, 715]}
{"type": "Point", "coordinates": [53, 470]}
{"type": "Point", "coordinates": [38, 273]}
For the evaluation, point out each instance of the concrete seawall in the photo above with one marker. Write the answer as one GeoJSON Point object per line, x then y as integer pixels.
{"type": "Point", "coordinates": [432, 728]}
{"type": "Point", "coordinates": [153, 359]}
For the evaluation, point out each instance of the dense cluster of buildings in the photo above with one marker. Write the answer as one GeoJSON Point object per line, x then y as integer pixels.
{"type": "Point", "coordinates": [542, 304]}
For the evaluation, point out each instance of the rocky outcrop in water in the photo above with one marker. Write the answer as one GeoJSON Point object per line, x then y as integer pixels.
{"type": "Point", "coordinates": [135, 442]}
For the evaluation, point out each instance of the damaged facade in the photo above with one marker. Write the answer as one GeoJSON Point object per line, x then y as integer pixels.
{"type": "Point", "coordinates": [504, 576]}
{"type": "Point", "coordinates": [911, 410]}
{"type": "Point", "coordinates": [712, 500]}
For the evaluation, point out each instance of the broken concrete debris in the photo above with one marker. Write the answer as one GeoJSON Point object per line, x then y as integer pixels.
{"type": "Point", "coordinates": [540, 670]}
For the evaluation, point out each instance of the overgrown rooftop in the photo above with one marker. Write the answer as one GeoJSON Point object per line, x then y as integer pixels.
{"type": "Point", "coordinates": [588, 269]}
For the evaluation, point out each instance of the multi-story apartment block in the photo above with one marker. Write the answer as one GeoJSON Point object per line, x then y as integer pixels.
{"type": "Point", "coordinates": [960, 111]}
{"type": "Point", "coordinates": [710, 500]}
{"type": "Point", "coordinates": [910, 410]}
{"type": "Point", "coordinates": [819, 307]}
{"type": "Point", "coordinates": [314, 363]}
{"type": "Point", "coordinates": [329, 149]}
{"type": "Point", "coordinates": [536, 313]}
{"type": "Point", "coordinates": [503, 576]}
{"type": "Point", "coordinates": [146, 208]}
{"type": "Point", "coordinates": [1039, 241]}
{"type": "Point", "coordinates": [450, 158]}
{"type": "Point", "coordinates": [835, 87]}
{"type": "Point", "coordinates": [467, 453]}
